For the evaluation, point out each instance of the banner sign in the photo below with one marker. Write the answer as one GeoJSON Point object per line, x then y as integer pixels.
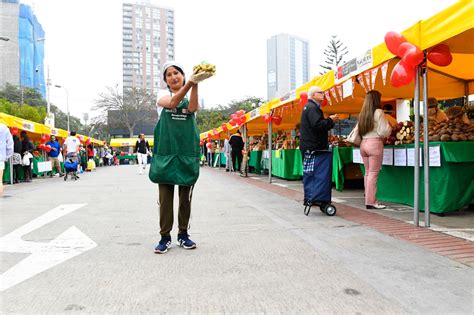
{"type": "Point", "coordinates": [255, 113]}
{"type": "Point", "coordinates": [354, 66]}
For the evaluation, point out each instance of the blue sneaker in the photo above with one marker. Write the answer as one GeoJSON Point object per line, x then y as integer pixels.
{"type": "Point", "coordinates": [185, 242]}
{"type": "Point", "coordinates": [163, 245]}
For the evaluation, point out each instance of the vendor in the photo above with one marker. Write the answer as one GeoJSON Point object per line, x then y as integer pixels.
{"type": "Point", "coordinates": [388, 110]}
{"type": "Point", "coordinates": [434, 113]}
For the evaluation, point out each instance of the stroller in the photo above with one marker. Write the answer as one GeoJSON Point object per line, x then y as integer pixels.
{"type": "Point", "coordinates": [70, 166]}
{"type": "Point", "coordinates": [317, 182]}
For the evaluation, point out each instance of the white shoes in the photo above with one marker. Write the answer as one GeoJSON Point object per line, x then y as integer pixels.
{"type": "Point", "coordinates": [376, 206]}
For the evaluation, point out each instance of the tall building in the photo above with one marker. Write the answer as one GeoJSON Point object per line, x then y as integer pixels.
{"type": "Point", "coordinates": [21, 47]}
{"type": "Point", "coordinates": [148, 42]}
{"type": "Point", "coordinates": [287, 64]}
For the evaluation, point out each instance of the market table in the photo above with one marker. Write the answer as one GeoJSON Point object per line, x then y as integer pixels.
{"type": "Point", "coordinates": [21, 175]}
{"type": "Point", "coordinates": [254, 161]}
{"type": "Point", "coordinates": [121, 158]}
{"type": "Point", "coordinates": [287, 164]}
{"type": "Point", "coordinates": [451, 185]}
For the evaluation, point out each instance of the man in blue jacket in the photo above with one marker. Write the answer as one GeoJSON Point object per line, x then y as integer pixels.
{"type": "Point", "coordinates": [54, 154]}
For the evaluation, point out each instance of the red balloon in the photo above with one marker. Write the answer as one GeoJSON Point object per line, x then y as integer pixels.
{"type": "Point", "coordinates": [393, 40]}
{"type": "Point", "coordinates": [277, 120]}
{"type": "Point", "coordinates": [243, 119]}
{"type": "Point", "coordinates": [43, 139]}
{"type": "Point", "coordinates": [303, 98]}
{"type": "Point", "coordinates": [240, 112]}
{"type": "Point", "coordinates": [233, 116]}
{"type": "Point", "coordinates": [267, 118]}
{"type": "Point", "coordinates": [14, 131]}
{"type": "Point", "coordinates": [402, 74]}
{"type": "Point", "coordinates": [402, 49]}
{"type": "Point", "coordinates": [41, 146]}
{"type": "Point", "coordinates": [324, 103]}
{"type": "Point", "coordinates": [440, 55]}
{"type": "Point", "coordinates": [413, 56]}
{"type": "Point", "coordinates": [47, 148]}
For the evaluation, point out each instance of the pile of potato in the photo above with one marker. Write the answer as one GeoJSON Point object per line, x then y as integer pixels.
{"type": "Point", "coordinates": [452, 130]}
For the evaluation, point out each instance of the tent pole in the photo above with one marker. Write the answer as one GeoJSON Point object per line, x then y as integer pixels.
{"type": "Point", "coordinates": [426, 153]}
{"type": "Point", "coordinates": [11, 170]}
{"type": "Point", "coordinates": [416, 181]}
{"type": "Point", "coordinates": [270, 152]}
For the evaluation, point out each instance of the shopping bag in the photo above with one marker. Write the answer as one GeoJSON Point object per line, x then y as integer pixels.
{"type": "Point", "coordinates": [354, 136]}
{"type": "Point", "coordinates": [26, 158]}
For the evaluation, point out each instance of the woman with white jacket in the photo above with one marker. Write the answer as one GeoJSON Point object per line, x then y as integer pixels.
{"type": "Point", "coordinates": [373, 127]}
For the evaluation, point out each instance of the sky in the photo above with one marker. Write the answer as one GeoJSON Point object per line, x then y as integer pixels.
{"type": "Point", "coordinates": [83, 47]}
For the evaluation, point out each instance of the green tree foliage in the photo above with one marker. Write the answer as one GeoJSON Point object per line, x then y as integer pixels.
{"type": "Point", "coordinates": [36, 114]}
{"type": "Point", "coordinates": [334, 53]}
{"type": "Point", "coordinates": [208, 119]}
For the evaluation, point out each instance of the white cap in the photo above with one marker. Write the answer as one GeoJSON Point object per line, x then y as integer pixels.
{"type": "Point", "coordinates": [171, 64]}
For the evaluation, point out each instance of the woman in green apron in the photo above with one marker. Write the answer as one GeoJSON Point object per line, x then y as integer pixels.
{"type": "Point", "coordinates": [176, 152]}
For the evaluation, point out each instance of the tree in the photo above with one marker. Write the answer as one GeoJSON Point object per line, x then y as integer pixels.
{"type": "Point", "coordinates": [334, 53]}
{"type": "Point", "coordinates": [31, 96]}
{"type": "Point", "coordinates": [129, 108]}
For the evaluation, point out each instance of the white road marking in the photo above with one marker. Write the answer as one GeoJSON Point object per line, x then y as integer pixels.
{"type": "Point", "coordinates": [43, 256]}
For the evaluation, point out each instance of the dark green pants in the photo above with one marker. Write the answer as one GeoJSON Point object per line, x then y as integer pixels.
{"type": "Point", "coordinates": [185, 194]}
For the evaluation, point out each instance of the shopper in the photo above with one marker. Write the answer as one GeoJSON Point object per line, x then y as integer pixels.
{"type": "Point", "coordinates": [373, 127]}
{"type": "Point", "coordinates": [16, 159]}
{"type": "Point", "coordinates": [176, 152]}
{"type": "Point", "coordinates": [237, 144]}
{"type": "Point", "coordinates": [53, 155]}
{"type": "Point", "coordinates": [314, 129]}
{"type": "Point", "coordinates": [228, 154]}
{"type": "Point", "coordinates": [27, 148]}
{"type": "Point", "coordinates": [142, 148]}
{"type": "Point", "coordinates": [6, 151]}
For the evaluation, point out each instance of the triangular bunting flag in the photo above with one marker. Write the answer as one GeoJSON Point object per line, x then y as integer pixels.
{"type": "Point", "coordinates": [373, 76]}
{"type": "Point", "coordinates": [328, 97]}
{"type": "Point", "coordinates": [333, 93]}
{"type": "Point", "coordinates": [339, 90]}
{"type": "Point", "coordinates": [384, 72]}
{"type": "Point", "coordinates": [360, 78]}
{"type": "Point", "coordinates": [367, 80]}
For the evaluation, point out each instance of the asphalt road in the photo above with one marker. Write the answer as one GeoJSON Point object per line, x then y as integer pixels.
{"type": "Point", "coordinates": [87, 247]}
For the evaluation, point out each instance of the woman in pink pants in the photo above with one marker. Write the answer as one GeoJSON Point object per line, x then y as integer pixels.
{"type": "Point", "coordinates": [373, 127]}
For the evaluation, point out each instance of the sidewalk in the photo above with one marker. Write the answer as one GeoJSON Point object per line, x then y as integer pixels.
{"type": "Point", "coordinates": [451, 235]}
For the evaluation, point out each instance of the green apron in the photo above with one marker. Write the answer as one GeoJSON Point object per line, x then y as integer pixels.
{"type": "Point", "coordinates": [175, 158]}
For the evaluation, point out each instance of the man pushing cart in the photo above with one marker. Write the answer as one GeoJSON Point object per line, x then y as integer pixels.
{"type": "Point", "coordinates": [317, 156]}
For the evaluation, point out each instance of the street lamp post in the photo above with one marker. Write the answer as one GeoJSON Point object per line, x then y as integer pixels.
{"type": "Point", "coordinates": [67, 104]}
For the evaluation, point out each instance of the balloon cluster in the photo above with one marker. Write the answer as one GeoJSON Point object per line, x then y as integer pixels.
{"type": "Point", "coordinates": [411, 56]}
{"type": "Point", "coordinates": [269, 118]}
{"type": "Point", "coordinates": [238, 119]}
{"type": "Point", "coordinates": [43, 139]}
